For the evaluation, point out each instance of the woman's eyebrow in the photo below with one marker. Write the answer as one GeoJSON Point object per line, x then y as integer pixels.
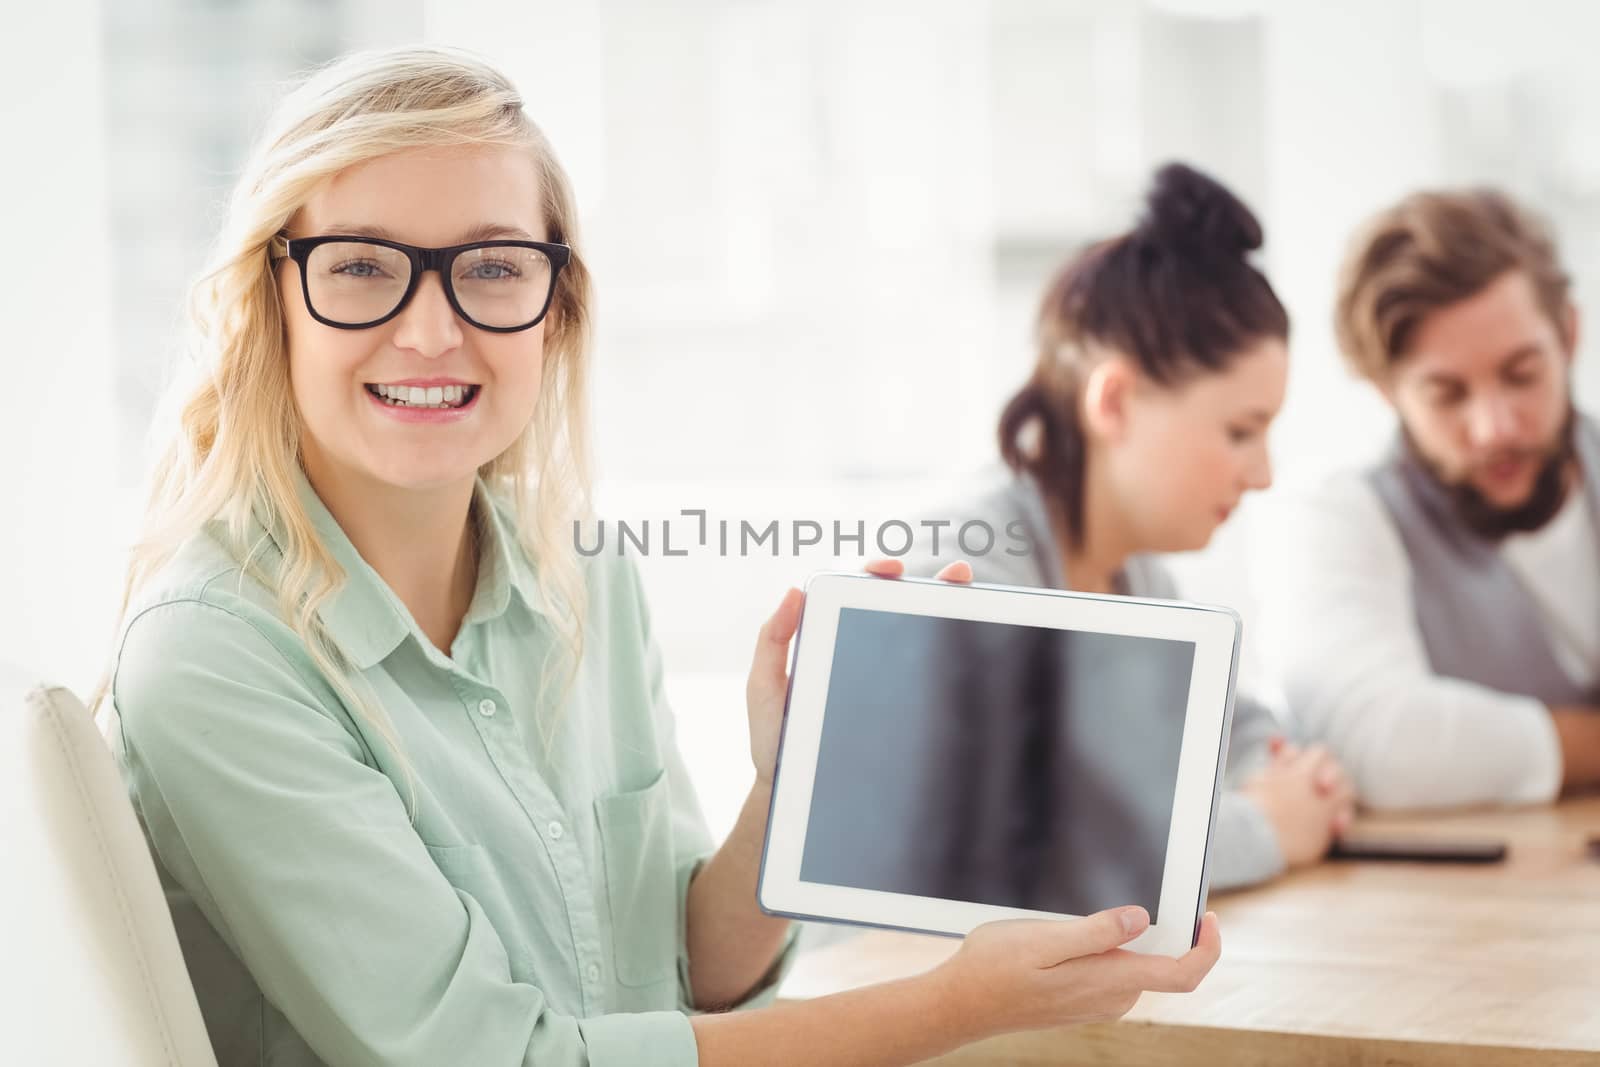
{"type": "Point", "coordinates": [356, 229]}
{"type": "Point", "coordinates": [489, 231]}
{"type": "Point", "coordinates": [486, 231]}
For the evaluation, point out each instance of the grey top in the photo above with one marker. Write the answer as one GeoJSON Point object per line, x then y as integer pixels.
{"type": "Point", "coordinates": [1025, 552]}
{"type": "Point", "coordinates": [1477, 618]}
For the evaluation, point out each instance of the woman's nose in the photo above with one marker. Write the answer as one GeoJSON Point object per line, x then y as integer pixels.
{"type": "Point", "coordinates": [428, 325]}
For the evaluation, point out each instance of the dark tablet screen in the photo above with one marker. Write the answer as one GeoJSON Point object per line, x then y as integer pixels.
{"type": "Point", "coordinates": [996, 763]}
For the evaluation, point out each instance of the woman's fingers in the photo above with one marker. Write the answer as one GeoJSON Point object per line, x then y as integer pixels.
{"type": "Point", "coordinates": [770, 665]}
{"type": "Point", "coordinates": [1184, 974]}
{"type": "Point", "coordinates": [1342, 819]}
{"type": "Point", "coordinates": [1195, 964]}
{"type": "Point", "coordinates": [1316, 754]}
{"type": "Point", "coordinates": [786, 619]}
{"type": "Point", "coordinates": [1326, 772]}
{"type": "Point", "coordinates": [958, 571]}
{"type": "Point", "coordinates": [1344, 800]}
{"type": "Point", "coordinates": [1092, 934]}
{"type": "Point", "coordinates": [1329, 776]}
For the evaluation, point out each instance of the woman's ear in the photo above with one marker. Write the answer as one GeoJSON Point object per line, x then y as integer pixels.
{"type": "Point", "coordinates": [1106, 396]}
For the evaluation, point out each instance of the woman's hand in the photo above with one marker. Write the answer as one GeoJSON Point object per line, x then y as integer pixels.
{"type": "Point", "coordinates": [768, 686]}
{"type": "Point", "coordinates": [1030, 974]}
{"type": "Point", "coordinates": [1307, 798]}
{"type": "Point", "coordinates": [1008, 976]}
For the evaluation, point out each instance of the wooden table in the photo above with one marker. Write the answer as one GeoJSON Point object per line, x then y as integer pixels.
{"type": "Point", "coordinates": [1347, 963]}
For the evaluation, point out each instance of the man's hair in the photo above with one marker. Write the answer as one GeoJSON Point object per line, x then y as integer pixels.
{"type": "Point", "coordinates": [1429, 251]}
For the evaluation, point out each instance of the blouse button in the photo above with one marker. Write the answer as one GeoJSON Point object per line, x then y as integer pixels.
{"type": "Point", "coordinates": [486, 708]}
{"type": "Point", "coordinates": [556, 831]}
{"type": "Point", "coordinates": [594, 972]}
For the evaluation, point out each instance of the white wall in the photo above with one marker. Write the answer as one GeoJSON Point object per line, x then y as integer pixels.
{"type": "Point", "coordinates": [819, 232]}
{"type": "Point", "coordinates": [57, 553]}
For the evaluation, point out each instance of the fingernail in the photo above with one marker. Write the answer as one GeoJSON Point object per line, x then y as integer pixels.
{"type": "Point", "coordinates": [1133, 920]}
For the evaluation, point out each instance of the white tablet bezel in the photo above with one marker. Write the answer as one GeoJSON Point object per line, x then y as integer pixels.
{"type": "Point", "coordinates": [1215, 632]}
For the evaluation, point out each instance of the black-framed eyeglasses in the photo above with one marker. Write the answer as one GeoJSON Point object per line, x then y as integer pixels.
{"type": "Point", "coordinates": [355, 283]}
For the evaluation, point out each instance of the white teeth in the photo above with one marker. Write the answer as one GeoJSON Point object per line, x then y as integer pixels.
{"type": "Point", "coordinates": [440, 397]}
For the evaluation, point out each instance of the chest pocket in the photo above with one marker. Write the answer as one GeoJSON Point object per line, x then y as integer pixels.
{"type": "Point", "coordinates": [641, 884]}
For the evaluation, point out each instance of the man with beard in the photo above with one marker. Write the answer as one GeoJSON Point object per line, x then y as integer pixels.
{"type": "Point", "coordinates": [1436, 619]}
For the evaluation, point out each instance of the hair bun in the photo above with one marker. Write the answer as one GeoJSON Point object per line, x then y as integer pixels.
{"type": "Point", "coordinates": [1193, 212]}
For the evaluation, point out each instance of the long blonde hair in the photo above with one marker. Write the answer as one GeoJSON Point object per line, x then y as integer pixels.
{"type": "Point", "coordinates": [236, 444]}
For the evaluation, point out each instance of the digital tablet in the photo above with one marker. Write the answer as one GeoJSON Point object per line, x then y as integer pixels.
{"type": "Point", "coordinates": [955, 754]}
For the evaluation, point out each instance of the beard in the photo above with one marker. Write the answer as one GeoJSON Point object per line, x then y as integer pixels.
{"type": "Point", "coordinates": [1494, 522]}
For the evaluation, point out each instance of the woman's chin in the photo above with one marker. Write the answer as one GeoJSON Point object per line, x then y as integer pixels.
{"type": "Point", "coordinates": [1190, 540]}
{"type": "Point", "coordinates": [433, 477]}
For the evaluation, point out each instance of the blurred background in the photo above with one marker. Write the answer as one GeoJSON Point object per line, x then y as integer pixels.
{"type": "Point", "coordinates": [819, 232]}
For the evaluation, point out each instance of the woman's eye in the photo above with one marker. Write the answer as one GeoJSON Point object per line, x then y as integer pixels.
{"type": "Point", "coordinates": [490, 272]}
{"type": "Point", "coordinates": [1443, 399]}
{"type": "Point", "coordinates": [358, 268]}
{"type": "Point", "coordinates": [1240, 435]}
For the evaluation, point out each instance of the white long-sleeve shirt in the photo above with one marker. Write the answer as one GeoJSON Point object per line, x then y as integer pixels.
{"type": "Point", "coordinates": [1559, 565]}
{"type": "Point", "coordinates": [1342, 639]}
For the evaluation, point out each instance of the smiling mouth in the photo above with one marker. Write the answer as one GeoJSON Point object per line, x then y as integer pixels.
{"type": "Point", "coordinates": [438, 397]}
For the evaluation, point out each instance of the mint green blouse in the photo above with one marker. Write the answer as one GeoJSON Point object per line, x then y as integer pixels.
{"type": "Point", "coordinates": [534, 913]}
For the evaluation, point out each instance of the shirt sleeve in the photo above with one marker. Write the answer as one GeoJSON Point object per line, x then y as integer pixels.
{"type": "Point", "coordinates": [1249, 739]}
{"type": "Point", "coordinates": [1245, 848]}
{"type": "Point", "coordinates": [260, 802]}
{"type": "Point", "coordinates": [692, 845]}
{"type": "Point", "coordinates": [1343, 640]}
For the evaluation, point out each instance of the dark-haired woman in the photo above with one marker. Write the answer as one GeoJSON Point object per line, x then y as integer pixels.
{"type": "Point", "coordinates": [1162, 361]}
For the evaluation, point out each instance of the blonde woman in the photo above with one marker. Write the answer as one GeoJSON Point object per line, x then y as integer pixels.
{"type": "Point", "coordinates": [403, 759]}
